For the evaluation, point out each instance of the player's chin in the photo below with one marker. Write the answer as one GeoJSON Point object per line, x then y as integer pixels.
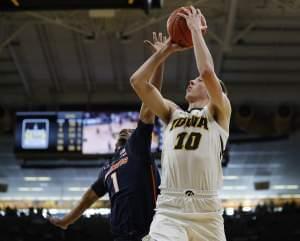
{"type": "Point", "coordinates": [122, 141]}
{"type": "Point", "coordinates": [187, 96]}
{"type": "Point", "coordinates": [124, 136]}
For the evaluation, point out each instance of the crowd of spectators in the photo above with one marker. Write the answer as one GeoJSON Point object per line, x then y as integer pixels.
{"type": "Point", "coordinates": [265, 223]}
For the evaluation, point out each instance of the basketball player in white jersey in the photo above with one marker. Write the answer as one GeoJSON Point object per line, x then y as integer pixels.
{"type": "Point", "coordinates": [188, 208]}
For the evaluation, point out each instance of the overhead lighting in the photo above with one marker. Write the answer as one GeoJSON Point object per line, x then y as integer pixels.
{"type": "Point", "coordinates": [30, 189]}
{"type": "Point", "coordinates": [240, 188]}
{"type": "Point", "coordinates": [77, 189]}
{"type": "Point", "coordinates": [231, 177]}
{"type": "Point", "coordinates": [104, 211]}
{"type": "Point", "coordinates": [282, 187]}
{"type": "Point", "coordinates": [92, 211]}
{"type": "Point", "coordinates": [227, 187]}
{"type": "Point", "coordinates": [67, 198]}
{"type": "Point", "coordinates": [292, 187]}
{"type": "Point", "coordinates": [23, 189]}
{"type": "Point", "coordinates": [234, 187]}
{"type": "Point", "coordinates": [30, 179]}
{"type": "Point", "coordinates": [37, 179]}
{"type": "Point", "coordinates": [286, 196]}
{"type": "Point", "coordinates": [246, 209]}
{"type": "Point", "coordinates": [229, 211]}
{"type": "Point", "coordinates": [278, 187]}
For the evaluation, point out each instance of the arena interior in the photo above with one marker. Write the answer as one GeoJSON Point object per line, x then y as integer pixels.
{"type": "Point", "coordinates": [64, 92]}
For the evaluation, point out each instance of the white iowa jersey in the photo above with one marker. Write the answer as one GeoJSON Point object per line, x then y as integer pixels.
{"type": "Point", "coordinates": [192, 152]}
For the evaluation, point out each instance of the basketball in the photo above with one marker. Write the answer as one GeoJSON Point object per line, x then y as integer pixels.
{"type": "Point", "coordinates": [178, 30]}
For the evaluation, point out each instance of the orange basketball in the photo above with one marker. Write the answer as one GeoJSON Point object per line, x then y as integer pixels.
{"type": "Point", "coordinates": [178, 29]}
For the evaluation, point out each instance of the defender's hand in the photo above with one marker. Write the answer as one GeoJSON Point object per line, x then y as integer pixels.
{"type": "Point", "coordinates": [58, 222]}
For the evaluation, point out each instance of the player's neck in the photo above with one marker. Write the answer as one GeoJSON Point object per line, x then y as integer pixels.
{"type": "Point", "coordinates": [197, 104]}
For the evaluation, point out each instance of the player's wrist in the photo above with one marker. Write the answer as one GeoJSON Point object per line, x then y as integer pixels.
{"type": "Point", "coordinates": [165, 51]}
{"type": "Point", "coordinates": [196, 29]}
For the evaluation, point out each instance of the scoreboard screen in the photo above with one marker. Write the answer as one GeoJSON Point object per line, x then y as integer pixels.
{"type": "Point", "coordinates": [35, 134]}
{"type": "Point", "coordinates": [74, 134]}
{"type": "Point", "coordinates": [69, 132]}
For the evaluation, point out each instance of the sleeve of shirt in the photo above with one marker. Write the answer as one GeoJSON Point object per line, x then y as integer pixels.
{"type": "Point", "coordinates": [99, 185]}
{"type": "Point", "coordinates": [140, 140]}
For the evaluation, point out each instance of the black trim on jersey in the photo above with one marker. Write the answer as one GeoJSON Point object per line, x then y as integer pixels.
{"type": "Point", "coordinates": [189, 111]}
{"type": "Point", "coordinates": [222, 148]}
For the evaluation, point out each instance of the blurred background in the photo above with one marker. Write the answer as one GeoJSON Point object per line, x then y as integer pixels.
{"type": "Point", "coordinates": [65, 94]}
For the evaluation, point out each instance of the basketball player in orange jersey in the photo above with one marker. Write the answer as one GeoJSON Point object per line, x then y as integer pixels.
{"type": "Point", "coordinates": [188, 208]}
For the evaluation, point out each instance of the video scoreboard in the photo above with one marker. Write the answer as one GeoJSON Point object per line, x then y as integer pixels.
{"type": "Point", "coordinates": [64, 135]}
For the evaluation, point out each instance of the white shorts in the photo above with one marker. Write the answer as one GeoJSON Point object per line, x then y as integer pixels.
{"type": "Point", "coordinates": [187, 216]}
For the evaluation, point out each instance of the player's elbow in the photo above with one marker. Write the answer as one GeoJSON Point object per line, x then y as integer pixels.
{"type": "Point", "coordinates": [137, 79]}
{"type": "Point", "coordinates": [133, 81]}
{"type": "Point", "coordinates": [137, 84]}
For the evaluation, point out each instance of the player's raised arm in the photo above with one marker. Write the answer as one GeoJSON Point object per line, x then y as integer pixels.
{"type": "Point", "coordinates": [219, 103]}
{"type": "Point", "coordinates": [86, 201]}
{"type": "Point", "coordinates": [147, 92]}
{"type": "Point", "coordinates": [146, 115]}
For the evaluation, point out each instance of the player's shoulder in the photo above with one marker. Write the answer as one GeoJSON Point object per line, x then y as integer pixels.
{"type": "Point", "coordinates": [171, 104]}
{"type": "Point", "coordinates": [104, 169]}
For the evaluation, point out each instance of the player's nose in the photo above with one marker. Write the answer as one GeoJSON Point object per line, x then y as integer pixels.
{"type": "Point", "coordinates": [191, 82]}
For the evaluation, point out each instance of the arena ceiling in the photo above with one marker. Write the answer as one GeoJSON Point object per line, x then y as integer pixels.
{"type": "Point", "coordinates": [56, 58]}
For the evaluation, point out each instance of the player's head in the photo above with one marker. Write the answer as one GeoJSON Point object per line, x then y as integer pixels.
{"type": "Point", "coordinates": [123, 136]}
{"type": "Point", "coordinates": [196, 90]}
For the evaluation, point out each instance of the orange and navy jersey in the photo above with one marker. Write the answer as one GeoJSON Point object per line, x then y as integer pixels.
{"type": "Point", "coordinates": [131, 179]}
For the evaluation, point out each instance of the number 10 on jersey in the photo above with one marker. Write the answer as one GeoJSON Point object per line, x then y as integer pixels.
{"type": "Point", "coordinates": [188, 141]}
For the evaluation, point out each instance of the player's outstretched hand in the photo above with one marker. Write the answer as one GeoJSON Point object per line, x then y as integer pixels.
{"type": "Point", "coordinates": [58, 222]}
{"type": "Point", "coordinates": [163, 43]}
{"type": "Point", "coordinates": [158, 41]}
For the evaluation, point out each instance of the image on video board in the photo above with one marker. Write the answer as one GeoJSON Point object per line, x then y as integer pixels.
{"type": "Point", "coordinates": [35, 133]}
{"type": "Point", "coordinates": [100, 131]}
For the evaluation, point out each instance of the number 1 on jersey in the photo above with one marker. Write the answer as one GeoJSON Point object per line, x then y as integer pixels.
{"type": "Point", "coordinates": [115, 181]}
{"type": "Point", "coordinates": [191, 143]}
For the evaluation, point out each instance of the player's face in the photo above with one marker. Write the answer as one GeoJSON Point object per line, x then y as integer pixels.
{"type": "Point", "coordinates": [196, 90]}
{"type": "Point", "coordinates": [125, 134]}
{"type": "Point", "coordinates": [123, 137]}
